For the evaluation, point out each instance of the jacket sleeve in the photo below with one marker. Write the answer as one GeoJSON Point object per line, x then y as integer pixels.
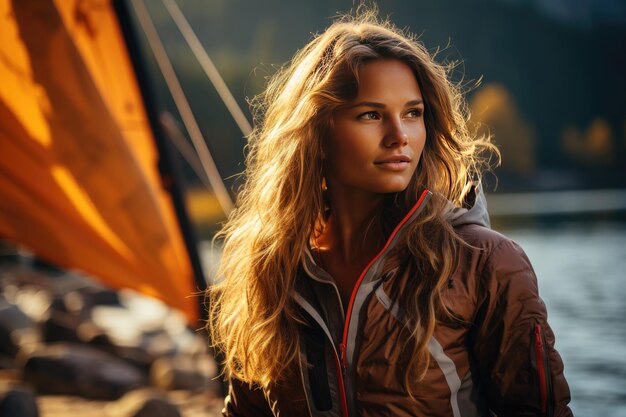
{"type": "Point", "coordinates": [245, 401]}
{"type": "Point", "coordinates": [521, 372]}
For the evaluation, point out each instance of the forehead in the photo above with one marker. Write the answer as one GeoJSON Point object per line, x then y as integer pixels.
{"type": "Point", "coordinates": [387, 79]}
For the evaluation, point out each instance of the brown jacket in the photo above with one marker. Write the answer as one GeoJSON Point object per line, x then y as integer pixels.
{"type": "Point", "coordinates": [502, 362]}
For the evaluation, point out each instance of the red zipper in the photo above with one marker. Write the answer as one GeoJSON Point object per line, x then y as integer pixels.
{"type": "Point", "coordinates": [541, 369]}
{"type": "Point", "coordinates": [342, 389]}
{"type": "Point", "coordinates": [341, 372]}
{"type": "Point", "coordinates": [342, 345]}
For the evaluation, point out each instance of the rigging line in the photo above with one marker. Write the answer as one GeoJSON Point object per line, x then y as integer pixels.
{"type": "Point", "coordinates": [207, 65]}
{"type": "Point", "coordinates": [173, 131]}
{"type": "Point", "coordinates": [183, 107]}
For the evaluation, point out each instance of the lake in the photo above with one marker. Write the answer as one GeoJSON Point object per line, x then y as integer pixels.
{"type": "Point", "coordinates": [581, 269]}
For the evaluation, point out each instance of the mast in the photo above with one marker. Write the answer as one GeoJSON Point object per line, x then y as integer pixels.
{"type": "Point", "coordinates": [169, 164]}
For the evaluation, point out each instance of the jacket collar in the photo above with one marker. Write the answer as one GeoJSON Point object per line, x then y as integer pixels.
{"type": "Point", "coordinates": [473, 211]}
{"type": "Point", "coordinates": [318, 274]}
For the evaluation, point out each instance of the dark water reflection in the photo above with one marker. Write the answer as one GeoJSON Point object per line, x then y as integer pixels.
{"type": "Point", "coordinates": [581, 269]}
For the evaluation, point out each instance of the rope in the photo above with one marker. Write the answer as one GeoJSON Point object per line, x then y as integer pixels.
{"type": "Point", "coordinates": [183, 107]}
{"type": "Point", "coordinates": [207, 65]}
{"type": "Point", "coordinates": [173, 131]}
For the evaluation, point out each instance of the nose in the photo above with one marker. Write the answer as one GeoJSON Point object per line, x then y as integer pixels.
{"type": "Point", "coordinates": [395, 134]}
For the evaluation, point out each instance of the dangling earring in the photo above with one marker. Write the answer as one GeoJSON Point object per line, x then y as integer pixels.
{"type": "Point", "coordinates": [325, 199]}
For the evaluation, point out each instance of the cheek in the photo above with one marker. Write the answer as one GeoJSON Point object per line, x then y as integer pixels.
{"type": "Point", "coordinates": [347, 144]}
{"type": "Point", "coordinates": [419, 146]}
{"type": "Point", "coordinates": [346, 158]}
{"type": "Point", "coordinates": [419, 143]}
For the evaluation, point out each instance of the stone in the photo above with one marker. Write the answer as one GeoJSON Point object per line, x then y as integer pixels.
{"type": "Point", "coordinates": [155, 407]}
{"type": "Point", "coordinates": [17, 401]}
{"type": "Point", "coordinates": [17, 330]}
{"type": "Point", "coordinates": [143, 403]}
{"type": "Point", "coordinates": [66, 369]}
{"type": "Point", "coordinates": [67, 327]}
{"type": "Point", "coordinates": [34, 301]}
{"type": "Point", "coordinates": [185, 373]}
{"type": "Point", "coordinates": [77, 295]}
{"type": "Point", "coordinates": [61, 327]}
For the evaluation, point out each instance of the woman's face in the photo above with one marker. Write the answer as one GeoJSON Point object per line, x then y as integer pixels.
{"type": "Point", "coordinates": [377, 139]}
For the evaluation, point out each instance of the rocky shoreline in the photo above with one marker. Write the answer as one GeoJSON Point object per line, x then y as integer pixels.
{"type": "Point", "coordinates": [69, 346]}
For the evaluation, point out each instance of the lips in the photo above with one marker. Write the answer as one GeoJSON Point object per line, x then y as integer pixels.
{"type": "Point", "coordinates": [394, 163]}
{"type": "Point", "coordinates": [393, 159]}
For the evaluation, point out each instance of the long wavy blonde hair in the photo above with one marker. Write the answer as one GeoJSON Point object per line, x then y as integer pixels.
{"type": "Point", "coordinates": [253, 319]}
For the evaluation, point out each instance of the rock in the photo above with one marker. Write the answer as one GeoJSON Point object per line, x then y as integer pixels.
{"type": "Point", "coordinates": [135, 355]}
{"type": "Point", "coordinates": [32, 300]}
{"type": "Point", "coordinates": [100, 296]}
{"type": "Point", "coordinates": [61, 327]}
{"type": "Point", "coordinates": [185, 373]}
{"type": "Point", "coordinates": [79, 296]}
{"type": "Point", "coordinates": [143, 403]}
{"type": "Point", "coordinates": [134, 334]}
{"type": "Point", "coordinates": [68, 327]}
{"type": "Point", "coordinates": [17, 330]}
{"type": "Point", "coordinates": [82, 300]}
{"type": "Point", "coordinates": [6, 364]}
{"type": "Point", "coordinates": [17, 401]}
{"type": "Point", "coordinates": [65, 369]}
{"type": "Point", "coordinates": [156, 407]}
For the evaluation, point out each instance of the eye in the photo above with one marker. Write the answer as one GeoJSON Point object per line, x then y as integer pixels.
{"type": "Point", "coordinates": [415, 113]}
{"type": "Point", "coordinates": [370, 115]}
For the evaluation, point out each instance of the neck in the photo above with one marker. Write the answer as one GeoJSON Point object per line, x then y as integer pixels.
{"type": "Point", "coordinates": [352, 230]}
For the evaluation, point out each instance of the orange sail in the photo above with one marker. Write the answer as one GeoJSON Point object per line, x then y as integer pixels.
{"type": "Point", "coordinates": [79, 182]}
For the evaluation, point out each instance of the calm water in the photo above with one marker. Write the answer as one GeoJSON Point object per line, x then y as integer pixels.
{"type": "Point", "coordinates": [582, 278]}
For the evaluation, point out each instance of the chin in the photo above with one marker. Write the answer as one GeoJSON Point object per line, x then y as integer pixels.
{"type": "Point", "coordinates": [392, 188]}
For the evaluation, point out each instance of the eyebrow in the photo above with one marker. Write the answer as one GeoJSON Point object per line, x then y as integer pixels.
{"type": "Point", "coordinates": [382, 106]}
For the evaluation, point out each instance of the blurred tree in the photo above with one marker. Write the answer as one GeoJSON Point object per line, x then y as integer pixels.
{"type": "Point", "coordinates": [593, 147]}
{"type": "Point", "coordinates": [494, 110]}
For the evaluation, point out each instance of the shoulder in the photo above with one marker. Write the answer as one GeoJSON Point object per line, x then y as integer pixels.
{"type": "Point", "coordinates": [500, 260]}
{"type": "Point", "coordinates": [480, 236]}
{"type": "Point", "coordinates": [490, 242]}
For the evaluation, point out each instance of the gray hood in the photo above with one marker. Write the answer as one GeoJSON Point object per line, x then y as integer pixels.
{"type": "Point", "coordinates": [474, 210]}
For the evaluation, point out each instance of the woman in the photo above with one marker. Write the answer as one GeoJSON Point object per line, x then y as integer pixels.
{"type": "Point", "coordinates": [360, 275]}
